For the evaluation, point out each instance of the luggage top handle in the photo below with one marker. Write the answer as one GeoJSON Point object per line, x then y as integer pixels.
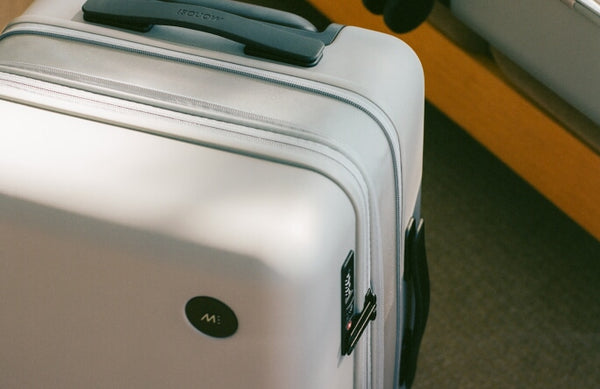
{"type": "Point", "coordinates": [299, 46]}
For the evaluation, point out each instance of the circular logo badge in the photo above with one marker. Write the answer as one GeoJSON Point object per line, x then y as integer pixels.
{"type": "Point", "coordinates": [211, 317]}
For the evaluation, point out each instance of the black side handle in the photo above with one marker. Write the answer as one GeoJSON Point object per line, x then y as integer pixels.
{"type": "Point", "coordinates": [300, 47]}
{"type": "Point", "coordinates": [416, 300]}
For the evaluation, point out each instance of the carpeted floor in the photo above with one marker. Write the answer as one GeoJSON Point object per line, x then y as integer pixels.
{"type": "Point", "coordinates": [515, 283]}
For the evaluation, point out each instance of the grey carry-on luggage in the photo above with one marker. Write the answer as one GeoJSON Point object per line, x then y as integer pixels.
{"type": "Point", "coordinates": [207, 195]}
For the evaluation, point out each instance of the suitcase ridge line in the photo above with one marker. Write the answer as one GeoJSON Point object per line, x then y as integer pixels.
{"type": "Point", "coordinates": [349, 97]}
{"type": "Point", "coordinates": [221, 127]}
{"type": "Point", "coordinates": [277, 128]}
{"type": "Point", "coordinates": [342, 94]}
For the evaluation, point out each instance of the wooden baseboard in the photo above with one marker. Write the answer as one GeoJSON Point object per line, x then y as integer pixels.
{"type": "Point", "coordinates": [10, 9]}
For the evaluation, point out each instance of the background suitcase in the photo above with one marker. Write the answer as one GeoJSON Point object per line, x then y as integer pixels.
{"type": "Point", "coordinates": [182, 210]}
{"type": "Point", "coordinates": [561, 49]}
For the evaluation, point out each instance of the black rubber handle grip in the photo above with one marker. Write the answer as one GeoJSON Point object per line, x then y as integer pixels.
{"type": "Point", "coordinates": [274, 41]}
{"type": "Point", "coordinates": [416, 295]}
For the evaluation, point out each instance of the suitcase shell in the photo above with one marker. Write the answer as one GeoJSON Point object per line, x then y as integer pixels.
{"type": "Point", "coordinates": [142, 172]}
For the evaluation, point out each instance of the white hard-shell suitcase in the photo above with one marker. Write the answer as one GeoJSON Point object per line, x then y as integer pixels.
{"type": "Point", "coordinates": [194, 198]}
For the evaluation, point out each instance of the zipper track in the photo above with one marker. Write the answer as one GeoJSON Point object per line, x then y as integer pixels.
{"type": "Point", "coordinates": [342, 95]}
{"type": "Point", "coordinates": [217, 127]}
{"type": "Point", "coordinates": [359, 102]}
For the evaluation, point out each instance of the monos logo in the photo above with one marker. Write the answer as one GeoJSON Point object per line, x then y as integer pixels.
{"type": "Point", "coordinates": [199, 15]}
{"type": "Point", "coordinates": [211, 317]}
{"type": "Point", "coordinates": [214, 319]}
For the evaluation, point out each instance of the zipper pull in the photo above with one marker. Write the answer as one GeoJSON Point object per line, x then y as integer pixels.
{"type": "Point", "coordinates": [359, 323]}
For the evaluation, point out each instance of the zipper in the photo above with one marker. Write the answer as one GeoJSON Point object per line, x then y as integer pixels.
{"type": "Point", "coordinates": [263, 129]}
{"type": "Point", "coordinates": [343, 95]}
{"type": "Point", "coordinates": [238, 136]}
